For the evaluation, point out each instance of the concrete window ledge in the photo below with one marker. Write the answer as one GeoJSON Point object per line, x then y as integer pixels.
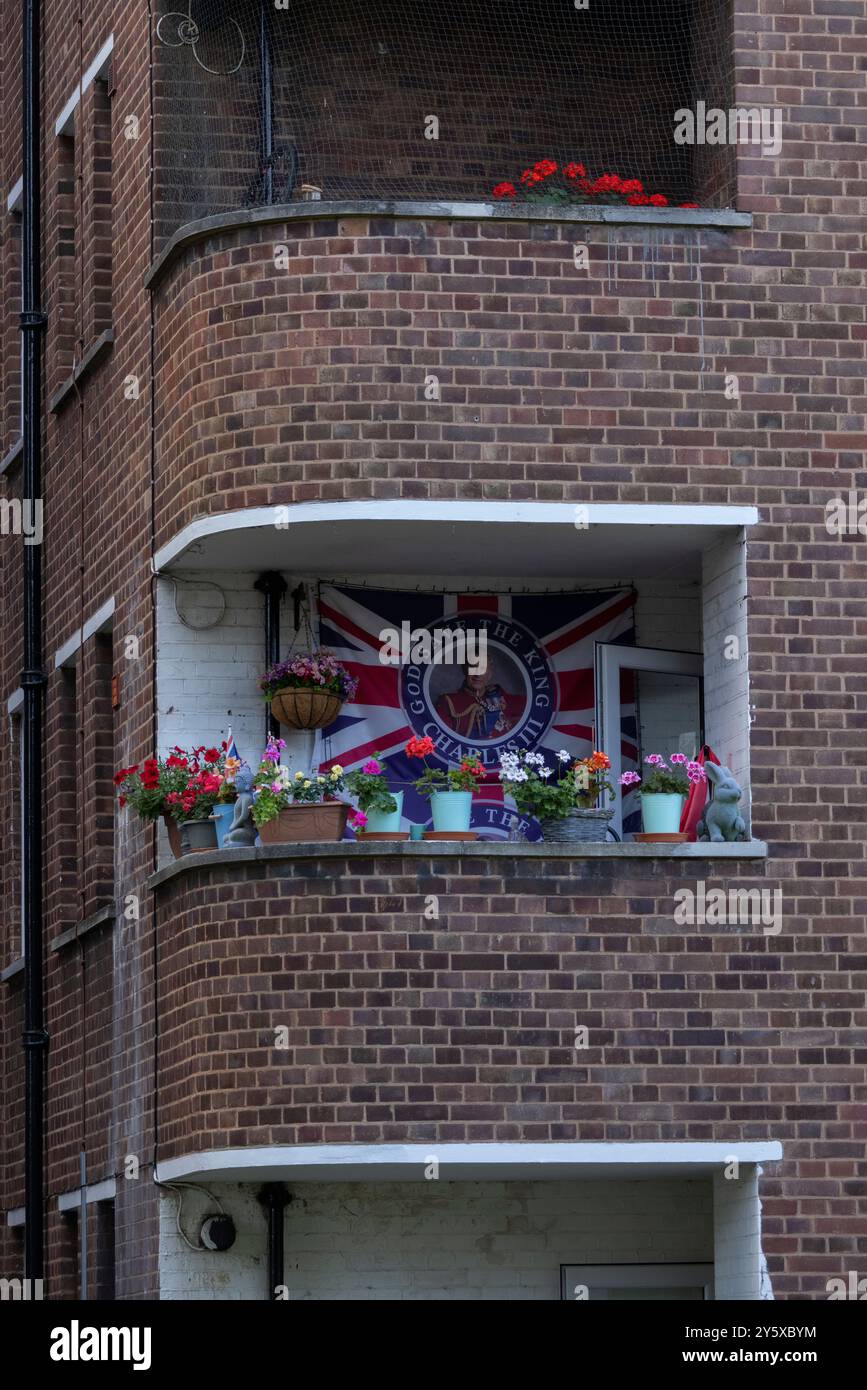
{"type": "Point", "coordinates": [717, 219]}
{"type": "Point", "coordinates": [13, 971]}
{"type": "Point", "coordinates": [88, 364]}
{"type": "Point", "coordinates": [103, 915]}
{"type": "Point", "coordinates": [439, 849]}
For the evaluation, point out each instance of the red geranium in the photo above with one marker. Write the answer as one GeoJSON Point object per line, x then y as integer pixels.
{"type": "Point", "coordinates": [548, 182]}
{"type": "Point", "coordinates": [420, 747]}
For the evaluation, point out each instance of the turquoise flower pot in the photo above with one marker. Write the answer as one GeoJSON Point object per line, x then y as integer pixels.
{"type": "Point", "coordinates": [385, 822]}
{"type": "Point", "coordinates": [451, 810]}
{"type": "Point", "coordinates": [661, 812]}
{"type": "Point", "coordinates": [223, 813]}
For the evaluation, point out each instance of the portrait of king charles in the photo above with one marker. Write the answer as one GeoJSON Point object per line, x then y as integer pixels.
{"type": "Point", "coordinates": [480, 708]}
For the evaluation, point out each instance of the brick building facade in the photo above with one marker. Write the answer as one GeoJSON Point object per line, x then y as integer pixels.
{"type": "Point", "coordinates": [235, 388]}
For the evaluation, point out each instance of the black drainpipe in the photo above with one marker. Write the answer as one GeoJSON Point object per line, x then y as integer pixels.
{"type": "Point", "coordinates": [273, 586]}
{"type": "Point", "coordinates": [35, 1038]}
{"type": "Point", "coordinates": [275, 1199]}
{"type": "Point", "coordinates": [266, 108]}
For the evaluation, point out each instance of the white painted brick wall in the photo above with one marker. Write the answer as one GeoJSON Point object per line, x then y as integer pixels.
{"type": "Point", "coordinates": [738, 1236]}
{"type": "Point", "coordinates": [727, 694]}
{"type": "Point", "coordinates": [668, 613]}
{"type": "Point", "coordinates": [438, 1240]}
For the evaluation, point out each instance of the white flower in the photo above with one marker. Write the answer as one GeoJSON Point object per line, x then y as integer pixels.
{"type": "Point", "coordinates": [535, 759]}
{"type": "Point", "coordinates": [563, 756]}
{"type": "Point", "coordinates": [520, 776]}
{"type": "Point", "coordinates": [545, 772]}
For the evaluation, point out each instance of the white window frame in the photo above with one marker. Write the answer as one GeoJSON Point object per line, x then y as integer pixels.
{"type": "Point", "coordinates": [604, 1277]}
{"type": "Point", "coordinates": [611, 659]}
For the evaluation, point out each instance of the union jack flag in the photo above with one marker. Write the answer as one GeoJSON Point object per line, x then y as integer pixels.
{"type": "Point", "coordinates": [541, 692]}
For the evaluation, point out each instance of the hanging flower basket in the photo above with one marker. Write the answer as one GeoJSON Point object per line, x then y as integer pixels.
{"type": "Point", "coordinates": [306, 709]}
{"type": "Point", "coordinates": [309, 690]}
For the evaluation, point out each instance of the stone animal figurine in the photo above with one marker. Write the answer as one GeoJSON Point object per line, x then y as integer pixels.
{"type": "Point", "coordinates": [242, 832]}
{"type": "Point", "coordinates": [721, 820]}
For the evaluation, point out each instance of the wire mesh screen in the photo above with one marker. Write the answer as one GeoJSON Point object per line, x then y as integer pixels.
{"type": "Point", "coordinates": [412, 100]}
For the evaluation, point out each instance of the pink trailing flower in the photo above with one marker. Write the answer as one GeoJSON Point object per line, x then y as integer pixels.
{"type": "Point", "coordinates": [695, 772]}
{"type": "Point", "coordinates": [372, 767]}
{"type": "Point", "coordinates": [273, 750]}
{"type": "Point", "coordinates": [678, 758]}
{"type": "Point", "coordinates": [629, 779]}
{"type": "Point", "coordinates": [655, 760]}
{"type": "Point", "coordinates": [358, 821]}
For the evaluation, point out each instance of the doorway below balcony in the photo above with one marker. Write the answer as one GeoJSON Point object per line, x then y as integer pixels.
{"type": "Point", "coordinates": [644, 1237]}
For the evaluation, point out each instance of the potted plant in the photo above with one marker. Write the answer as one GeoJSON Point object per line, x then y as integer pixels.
{"type": "Point", "coordinates": [546, 181]}
{"type": "Point", "coordinates": [379, 809]}
{"type": "Point", "coordinates": [450, 791]}
{"type": "Point", "coordinates": [155, 788]}
{"type": "Point", "coordinates": [224, 807]}
{"type": "Point", "coordinates": [295, 808]}
{"type": "Point", "coordinates": [563, 799]}
{"type": "Point", "coordinates": [308, 691]}
{"type": "Point", "coordinates": [664, 790]}
{"type": "Point", "coordinates": [193, 808]}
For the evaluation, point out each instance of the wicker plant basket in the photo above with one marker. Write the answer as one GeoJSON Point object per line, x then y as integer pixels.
{"type": "Point", "coordinates": [305, 709]}
{"type": "Point", "coordinates": [579, 827]}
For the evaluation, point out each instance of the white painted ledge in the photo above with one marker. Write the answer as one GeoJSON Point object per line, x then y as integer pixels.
{"type": "Point", "coordinates": [460, 1162]}
{"type": "Point", "coordinates": [100, 621]}
{"type": "Point", "coordinates": [98, 1192]}
{"type": "Point", "coordinates": [283, 520]}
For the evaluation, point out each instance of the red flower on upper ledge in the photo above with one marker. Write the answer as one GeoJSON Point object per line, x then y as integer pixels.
{"type": "Point", "coordinates": [547, 182]}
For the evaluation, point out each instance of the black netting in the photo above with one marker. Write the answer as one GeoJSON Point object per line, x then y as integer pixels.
{"type": "Point", "coordinates": [253, 101]}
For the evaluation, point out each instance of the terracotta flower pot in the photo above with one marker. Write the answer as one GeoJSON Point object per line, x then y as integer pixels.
{"type": "Point", "coordinates": [174, 833]}
{"type": "Point", "coordinates": [305, 709]}
{"type": "Point", "coordinates": [303, 824]}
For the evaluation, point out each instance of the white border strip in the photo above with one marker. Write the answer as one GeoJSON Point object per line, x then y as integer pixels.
{"type": "Point", "coordinates": [473, 513]}
{"type": "Point", "coordinates": [16, 196]}
{"type": "Point", "coordinates": [99, 1192]}
{"type": "Point", "coordinates": [65, 123]}
{"type": "Point", "coordinates": [15, 701]}
{"type": "Point", "coordinates": [97, 622]}
{"type": "Point", "coordinates": [367, 1161]}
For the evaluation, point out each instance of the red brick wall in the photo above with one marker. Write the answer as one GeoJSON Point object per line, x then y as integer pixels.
{"type": "Point", "coordinates": [307, 384]}
{"type": "Point", "coordinates": [461, 1028]}
{"type": "Point", "coordinates": [96, 457]}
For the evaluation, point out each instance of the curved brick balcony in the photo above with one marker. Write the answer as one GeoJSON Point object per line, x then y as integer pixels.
{"type": "Point", "coordinates": [460, 1025]}
{"type": "Point", "coordinates": [306, 379]}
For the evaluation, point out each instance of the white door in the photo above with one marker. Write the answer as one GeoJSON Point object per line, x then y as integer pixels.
{"type": "Point", "coordinates": [648, 700]}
